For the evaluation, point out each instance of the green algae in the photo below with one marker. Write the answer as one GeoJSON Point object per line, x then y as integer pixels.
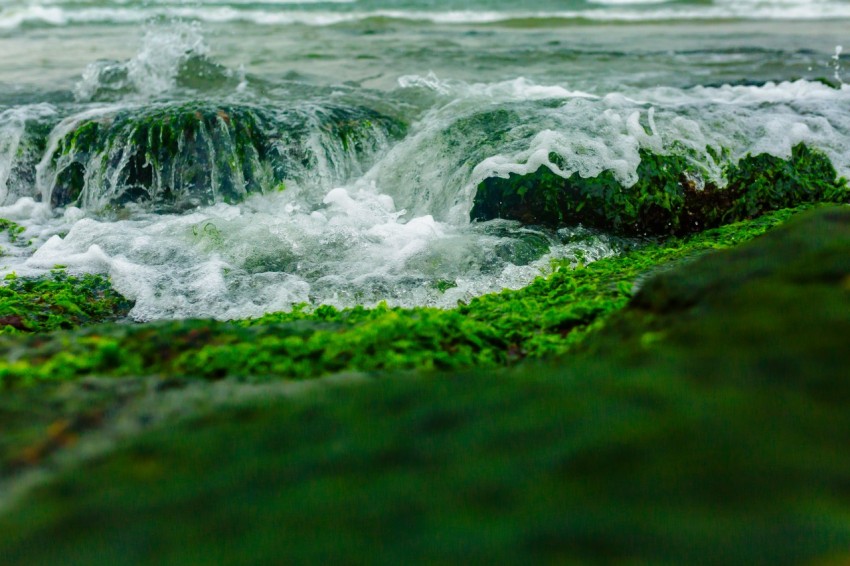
{"type": "Point", "coordinates": [669, 197]}
{"type": "Point", "coordinates": [59, 301]}
{"type": "Point", "coordinates": [12, 229]}
{"type": "Point", "coordinates": [794, 282]}
{"type": "Point", "coordinates": [540, 465]}
{"type": "Point", "coordinates": [40, 421]}
{"type": "Point", "coordinates": [177, 156]}
{"type": "Point", "coordinates": [160, 152]}
{"type": "Point", "coordinates": [706, 424]}
{"type": "Point", "coordinates": [548, 317]}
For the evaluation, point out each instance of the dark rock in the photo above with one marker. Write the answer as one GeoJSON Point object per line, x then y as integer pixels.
{"type": "Point", "coordinates": [174, 156]}
{"type": "Point", "coordinates": [669, 197]}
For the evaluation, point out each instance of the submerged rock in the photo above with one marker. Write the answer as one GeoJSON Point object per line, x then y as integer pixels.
{"type": "Point", "coordinates": [670, 196]}
{"type": "Point", "coordinates": [175, 156]}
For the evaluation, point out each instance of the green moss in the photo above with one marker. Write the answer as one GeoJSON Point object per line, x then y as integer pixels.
{"type": "Point", "coordinates": [707, 424]}
{"type": "Point", "coordinates": [57, 302]}
{"type": "Point", "coordinates": [795, 281]}
{"type": "Point", "coordinates": [12, 229]}
{"type": "Point", "coordinates": [548, 317]}
{"type": "Point", "coordinates": [667, 198]}
{"type": "Point", "coordinates": [165, 154]}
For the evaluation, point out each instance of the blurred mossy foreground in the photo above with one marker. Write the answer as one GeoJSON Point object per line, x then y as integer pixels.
{"type": "Point", "coordinates": [706, 422]}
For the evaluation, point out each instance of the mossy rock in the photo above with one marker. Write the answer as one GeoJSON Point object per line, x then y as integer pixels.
{"type": "Point", "coordinates": [30, 148]}
{"type": "Point", "coordinates": [707, 423]}
{"type": "Point", "coordinates": [58, 301]}
{"type": "Point", "coordinates": [548, 317]}
{"type": "Point", "coordinates": [773, 312]}
{"type": "Point", "coordinates": [178, 156]}
{"type": "Point", "coordinates": [669, 197]}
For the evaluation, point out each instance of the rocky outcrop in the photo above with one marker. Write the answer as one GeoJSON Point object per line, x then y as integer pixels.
{"type": "Point", "coordinates": [175, 156]}
{"type": "Point", "coordinates": [670, 196]}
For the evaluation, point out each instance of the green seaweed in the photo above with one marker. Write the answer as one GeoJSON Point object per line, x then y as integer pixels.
{"type": "Point", "coordinates": [58, 301]}
{"type": "Point", "coordinates": [548, 317]}
{"type": "Point", "coordinates": [667, 198]}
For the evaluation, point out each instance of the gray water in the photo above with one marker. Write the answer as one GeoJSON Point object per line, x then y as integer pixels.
{"type": "Point", "coordinates": [479, 89]}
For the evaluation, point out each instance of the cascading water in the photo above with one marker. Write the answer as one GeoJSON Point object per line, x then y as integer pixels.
{"type": "Point", "coordinates": [207, 191]}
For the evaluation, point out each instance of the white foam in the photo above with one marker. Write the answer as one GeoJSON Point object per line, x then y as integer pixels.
{"type": "Point", "coordinates": [271, 252]}
{"type": "Point", "coordinates": [520, 88]}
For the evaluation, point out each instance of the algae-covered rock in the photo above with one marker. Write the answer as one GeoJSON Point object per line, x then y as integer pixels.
{"type": "Point", "coordinates": [670, 196]}
{"type": "Point", "coordinates": [708, 424]}
{"type": "Point", "coordinates": [775, 311]}
{"type": "Point", "coordinates": [175, 156]}
{"type": "Point", "coordinates": [57, 301]}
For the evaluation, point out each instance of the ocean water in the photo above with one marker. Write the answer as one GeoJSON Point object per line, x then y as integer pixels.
{"type": "Point", "coordinates": [380, 118]}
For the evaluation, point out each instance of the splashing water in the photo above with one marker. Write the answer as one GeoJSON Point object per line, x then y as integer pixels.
{"type": "Point", "coordinates": [153, 71]}
{"type": "Point", "coordinates": [203, 191]}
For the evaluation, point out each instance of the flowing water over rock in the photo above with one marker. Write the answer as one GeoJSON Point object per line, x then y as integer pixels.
{"type": "Point", "coordinates": [227, 159]}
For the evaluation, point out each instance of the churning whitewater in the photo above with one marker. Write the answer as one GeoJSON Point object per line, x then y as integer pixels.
{"type": "Point", "coordinates": [335, 157]}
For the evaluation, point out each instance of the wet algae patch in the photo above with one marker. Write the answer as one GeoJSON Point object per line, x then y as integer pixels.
{"type": "Point", "coordinates": [548, 317]}
{"type": "Point", "coordinates": [58, 301]}
{"type": "Point", "coordinates": [705, 423]}
{"type": "Point", "coordinates": [670, 196]}
{"type": "Point", "coordinates": [40, 422]}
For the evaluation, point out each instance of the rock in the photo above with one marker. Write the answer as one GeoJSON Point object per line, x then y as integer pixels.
{"type": "Point", "coordinates": [707, 423]}
{"type": "Point", "coordinates": [175, 156]}
{"type": "Point", "coordinates": [670, 196]}
{"type": "Point", "coordinates": [773, 311]}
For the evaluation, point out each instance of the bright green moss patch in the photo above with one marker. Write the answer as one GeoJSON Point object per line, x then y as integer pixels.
{"type": "Point", "coordinates": [59, 301]}
{"type": "Point", "coordinates": [668, 198]}
{"type": "Point", "coordinates": [546, 318]}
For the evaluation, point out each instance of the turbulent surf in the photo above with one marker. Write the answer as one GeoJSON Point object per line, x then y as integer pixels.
{"type": "Point", "coordinates": [231, 158]}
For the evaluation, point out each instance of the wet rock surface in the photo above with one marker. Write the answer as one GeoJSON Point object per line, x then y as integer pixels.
{"type": "Point", "coordinates": [671, 195]}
